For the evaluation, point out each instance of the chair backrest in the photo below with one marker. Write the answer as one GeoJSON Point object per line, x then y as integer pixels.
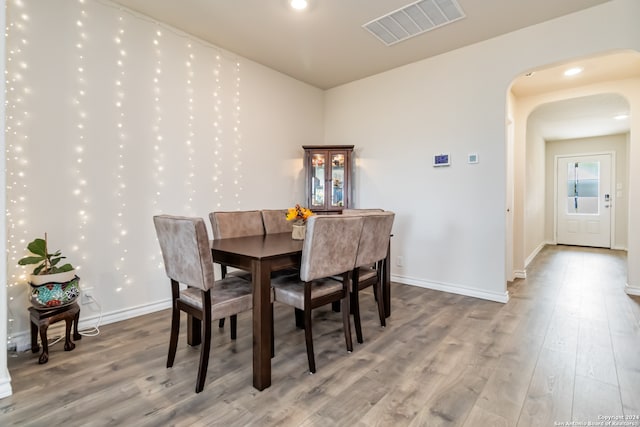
{"type": "Point", "coordinates": [275, 221]}
{"type": "Point", "coordinates": [361, 211]}
{"type": "Point", "coordinates": [185, 250]}
{"type": "Point", "coordinates": [374, 240]}
{"type": "Point", "coordinates": [330, 245]}
{"type": "Point", "coordinates": [236, 224]}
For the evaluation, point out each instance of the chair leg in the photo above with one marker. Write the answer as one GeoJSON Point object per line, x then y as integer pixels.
{"type": "Point", "coordinates": [175, 330]}
{"type": "Point", "coordinates": [205, 347]}
{"type": "Point", "coordinates": [378, 288]}
{"type": "Point", "coordinates": [347, 322]}
{"type": "Point", "coordinates": [309, 339]}
{"type": "Point", "coordinates": [234, 325]}
{"type": "Point", "coordinates": [355, 308]}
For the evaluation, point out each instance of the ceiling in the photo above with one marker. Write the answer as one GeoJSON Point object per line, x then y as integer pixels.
{"type": "Point", "coordinates": [326, 46]}
{"type": "Point", "coordinates": [583, 116]}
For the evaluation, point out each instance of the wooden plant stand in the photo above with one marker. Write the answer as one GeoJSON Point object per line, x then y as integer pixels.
{"type": "Point", "coordinates": [41, 319]}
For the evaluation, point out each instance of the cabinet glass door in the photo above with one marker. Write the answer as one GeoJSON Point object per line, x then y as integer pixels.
{"type": "Point", "coordinates": [337, 180]}
{"type": "Point", "coordinates": [317, 183]}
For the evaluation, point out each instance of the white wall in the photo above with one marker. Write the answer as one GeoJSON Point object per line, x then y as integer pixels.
{"type": "Point", "coordinates": [450, 223]}
{"type": "Point", "coordinates": [92, 168]}
{"type": "Point", "coordinates": [534, 218]}
{"type": "Point", "coordinates": [617, 144]}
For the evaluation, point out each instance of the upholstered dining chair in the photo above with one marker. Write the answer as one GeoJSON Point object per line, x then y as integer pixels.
{"type": "Point", "coordinates": [186, 252]}
{"type": "Point", "coordinates": [330, 248]}
{"type": "Point", "coordinates": [372, 251]}
{"type": "Point", "coordinates": [354, 211]}
{"type": "Point", "coordinates": [235, 224]}
{"type": "Point", "coordinates": [275, 221]}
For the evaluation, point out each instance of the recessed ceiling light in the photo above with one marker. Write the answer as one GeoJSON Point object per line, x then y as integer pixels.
{"type": "Point", "coordinates": [621, 117]}
{"type": "Point", "coordinates": [573, 71]}
{"type": "Point", "coordinates": [299, 4]}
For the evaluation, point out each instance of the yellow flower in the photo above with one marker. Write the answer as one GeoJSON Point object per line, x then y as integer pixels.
{"type": "Point", "coordinates": [298, 214]}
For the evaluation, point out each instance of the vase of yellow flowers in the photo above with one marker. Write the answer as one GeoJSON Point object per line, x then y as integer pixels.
{"type": "Point", "coordinates": [299, 216]}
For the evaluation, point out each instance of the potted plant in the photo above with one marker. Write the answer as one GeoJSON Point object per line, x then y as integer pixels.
{"type": "Point", "coordinates": [52, 285]}
{"type": "Point", "coordinates": [299, 216]}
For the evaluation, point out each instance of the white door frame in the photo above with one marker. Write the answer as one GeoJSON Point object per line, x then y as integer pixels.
{"type": "Point", "coordinates": [612, 205]}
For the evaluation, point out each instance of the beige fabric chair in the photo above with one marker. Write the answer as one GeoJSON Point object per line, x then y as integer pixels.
{"type": "Point", "coordinates": [275, 221]}
{"type": "Point", "coordinates": [236, 224]}
{"type": "Point", "coordinates": [187, 259]}
{"type": "Point", "coordinates": [330, 247]}
{"type": "Point", "coordinates": [372, 251]}
{"type": "Point", "coordinates": [361, 211]}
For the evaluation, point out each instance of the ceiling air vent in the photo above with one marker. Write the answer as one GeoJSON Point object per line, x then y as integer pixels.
{"type": "Point", "coordinates": [414, 19]}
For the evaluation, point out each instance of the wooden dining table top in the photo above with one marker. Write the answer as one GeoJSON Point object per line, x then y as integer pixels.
{"type": "Point", "coordinates": [259, 246]}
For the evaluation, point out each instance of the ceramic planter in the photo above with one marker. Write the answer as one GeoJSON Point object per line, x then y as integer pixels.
{"type": "Point", "coordinates": [54, 290]}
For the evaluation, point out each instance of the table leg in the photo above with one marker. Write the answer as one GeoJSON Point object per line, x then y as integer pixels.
{"type": "Point", "coordinates": [299, 314]}
{"type": "Point", "coordinates": [262, 315]}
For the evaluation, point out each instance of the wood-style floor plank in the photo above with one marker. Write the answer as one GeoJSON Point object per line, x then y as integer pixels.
{"type": "Point", "coordinates": [564, 348]}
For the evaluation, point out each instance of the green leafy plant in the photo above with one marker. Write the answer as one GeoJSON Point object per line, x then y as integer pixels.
{"type": "Point", "coordinates": [47, 263]}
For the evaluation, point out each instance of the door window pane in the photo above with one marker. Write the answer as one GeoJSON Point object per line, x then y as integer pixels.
{"type": "Point", "coordinates": [583, 187]}
{"type": "Point", "coordinates": [337, 179]}
{"type": "Point", "coordinates": [317, 184]}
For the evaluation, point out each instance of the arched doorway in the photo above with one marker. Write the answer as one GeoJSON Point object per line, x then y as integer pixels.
{"type": "Point", "coordinates": [604, 78]}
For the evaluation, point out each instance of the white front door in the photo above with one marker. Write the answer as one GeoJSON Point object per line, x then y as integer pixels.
{"type": "Point", "coordinates": [583, 204]}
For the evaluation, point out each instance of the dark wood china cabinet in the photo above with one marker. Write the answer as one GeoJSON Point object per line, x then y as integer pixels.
{"type": "Point", "coordinates": [328, 170]}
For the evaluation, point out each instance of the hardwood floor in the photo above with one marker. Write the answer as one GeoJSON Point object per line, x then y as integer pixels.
{"type": "Point", "coordinates": [566, 347]}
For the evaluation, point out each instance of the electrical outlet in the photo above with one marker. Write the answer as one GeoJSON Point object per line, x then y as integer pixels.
{"type": "Point", "coordinates": [399, 261]}
{"type": "Point", "coordinates": [86, 296]}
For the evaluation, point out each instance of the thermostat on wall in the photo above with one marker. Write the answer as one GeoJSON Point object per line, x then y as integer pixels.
{"type": "Point", "coordinates": [473, 158]}
{"type": "Point", "coordinates": [441, 160]}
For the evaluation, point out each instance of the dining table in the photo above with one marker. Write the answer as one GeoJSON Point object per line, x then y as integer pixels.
{"type": "Point", "coordinates": [262, 255]}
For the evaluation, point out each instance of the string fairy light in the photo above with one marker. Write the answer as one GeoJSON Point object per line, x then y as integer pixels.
{"type": "Point", "coordinates": [17, 98]}
{"type": "Point", "coordinates": [237, 139]}
{"type": "Point", "coordinates": [121, 231]}
{"type": "Point", "coordinates": [158, 144]}
{"type": "Point", "coordinates": [190, 190]}
{"type": "Point", "coordinates": [81, 105]}
{"type": "Point", "coordinates": [217, 134]}
{"type": "Point", "coordinates": [158, 158]}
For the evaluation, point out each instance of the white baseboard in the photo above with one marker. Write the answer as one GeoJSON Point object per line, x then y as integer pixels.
{"type": "Point", "coordinates": [535, 252]}
{"type": "Point", "coordinates": [630, 290]}
{"type": "Point", "coordinates": [22, 339]}
{"type": "Point", "coordinates": [5, 386]}
{"type": "Point", "coordinates": [454, 289]}
{"type": "Point", "coordinates": [520, 274]}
